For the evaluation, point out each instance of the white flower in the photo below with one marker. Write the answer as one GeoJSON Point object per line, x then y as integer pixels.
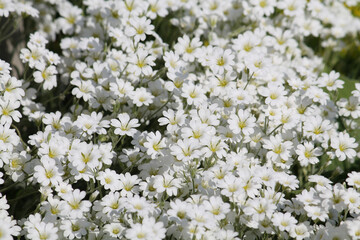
{"type": "Point", "coordinates": [8, 228]}
{"type": "Point", "coordinates": [43, 230]}
{"type": "Point", "coordinates": [91, 124]}
{"type": "Point", "coordinates": [300, 231]}
{"type": "Point", "coordinates": [242, 122]}
{"type": "Point", "coordinates": [8, 138]}
{"type": "Point", "coordinates": [109, 179]}
{"type": "Point", "coordinates": [7, 6]}
{"type": "Point", "coordinates": [74, 205]}
{"type": "Point", "coordinates": [167, 183]}
{"type": "Point", "coordinates": [278, 148]}
{"type": "Point", "coordinates": [46, 75]}
{"type": "Point", "coordinates": [344, 146]}
{"type": "Point", "coordinates": [139, 232]}
{"type": "Point", "coordinates": [110, 204]}
{"type": "Point", "coordinates": [185, 150]}
{"type": "Point", "coordinates": [316, 213]}
{"type": "Point", "coordinates": [49, 173]}
{"type": "Point", "coordinates": [353, 228]}
{"type": "Point", "coordinates": [353, 179]}
{"type": "Point", "coordinates": [115, 230]}
{"type": "Point", "coordinates": [274, 94]}
{"type": "Point", "coordinates": [8, 111]}
{"type": "Point", "coordinates": [121, 88]}
{"type": "Point", "coordinates": [84, 155]}
{"type": "Point", "coordinates": [231, 186]}
{"type": "Point", "coordinates": [188, 48]}
{"type": "Point", "coordinates": [173, 61]}
{"type": "Point", "coordinates": [172, 120]}
{"type": "Point", "coordinates": [214, 145]}
{"type": "Point", "coordinates": [71, 18]}
{"type": "Point", "coordinates": [33, 55]}
{"type": "Point", "coordinates": [285, 222]}
{"type": "Point", "coordinates": [128, 184]}
{"type": "Point", "coordinates": [221, 60]}
{"type": "Point", "coordinates": [139, 28]}
{"type": "Point", "coordinates": [141, 97]}
{"type": "Point", "coordinates": [178, 210]}
{"type": "Point", "coordinates": [316, 128]}
{"type": "Point", "coordinates": [217, 207]}
{"type": "Point", "coordinates": [154, 144]}
{"type": "Point", "coordinates": [331, 81]}
{"type": "Point", "coordinates": [349, 107]}
{"type": "Point", "coordinates": [194, 94]}
{"type": "Point", "coordinates": [352, 200]}
{"type": "Point", "coordinates": [74, 228]}
{"type": "Point", "coordinates": [83, 89]}
{"type": "Point", "coordinates": [4, 68]}
{"type": "Point", "coordinates": [141, 63]}
{"type": "Point", "coordinates": [125, 126]}
{"type": "Point", "coordinates": [198, 131]}
{"type": "Point", "coordinates": [308, 153]}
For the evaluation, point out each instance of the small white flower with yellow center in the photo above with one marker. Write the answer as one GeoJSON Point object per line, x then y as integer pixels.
{"type": "Point", "coordinates": [8, 111]}
{"type": "Point", "coordinates": [139, 28]}
{"type": "Point", "coordinates": [353, 179]}
{"type": "Point", "coordinates": [109, 179]}
{"type": "Point", "coordinates": [128, 184]}
{"type": "Point", "coordinates": [155, 144]}
{"type": "Point", "coordinates": [278, 148]}
{"type": "Point", "coordinates": [124, 126]}
{"type": "Point", "coordinates": [46, 75]}
{"type": "Point", "coordinates": [48, 172]}
{"type": "Point", "coordinates": [344, 146]}
{"type": "Point", "coordinates": [308, 153]}
{"type": "Point", "coordinates": [74, 206]}
{"type": "Point", "coordinates": [284, 221]}
{"type": "Point", "coordinates": [221, 60]}
{"type": "Point", "coordinates": [141, 97]}
{"type": "Point", "coordinates": [141, 63]}
{"type": "Point", "coordinates": [242, 122]}
{"type": "Point", "coordinates": [115, 230]}
{"type": "Point", "coordinates": [214, 146]}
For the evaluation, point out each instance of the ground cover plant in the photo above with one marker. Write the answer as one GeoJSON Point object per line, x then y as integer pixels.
{"type": "Point", "coordinates": [191, 119]}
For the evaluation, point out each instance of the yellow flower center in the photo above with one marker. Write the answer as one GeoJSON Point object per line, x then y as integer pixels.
{"type": "Point", "coordinates": [54, 210]}
{"type": "Point", "coordinates": [74, 205]}
{"type": "Point", "coordinates": [247, 47]}
{"type": "Point", "coordinates": [263, 3]}
{"type": "Point", "coordinates": [49, 174]}
{"type": "Point", "coordinates": [342, 147]}
{"type": "Point", "coordinates": [140, 235]}
{"type": "Point", "coordinates": [140, 30]}
{"type": "Point", "coordinates": [181, 214]}
{"type": "Point", "coordinates": [308, 154]}
{"type": "Point", "coordinates": [71, 19]}
{"type": "Point", "coordinates": [75, 227]}
{"type": "Point", "coordinates": [108, 180]}
{"type": "Point", "coordinates": [220, 62]}
{"type": "Point", "coordinates": [317, 130]}
{"type": "Point", "coordinates": [189, 49]}
{"type": "Point", "coordinates": [278, 149]}
{"type": "Point", "coordinates": [242, 124]}
{"type": "Point", "coordinates": [114, 205]}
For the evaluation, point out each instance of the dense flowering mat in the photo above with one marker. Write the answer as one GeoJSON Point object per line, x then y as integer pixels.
{"type": "Point", "coordinates": [169, 119]}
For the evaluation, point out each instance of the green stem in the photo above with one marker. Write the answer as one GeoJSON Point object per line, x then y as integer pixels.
{"type": "Point", "coordinates": [14, 184]}
{"type": "Point", "coordinates": [275, 129]}
{"type": "Point", "coordinates": [18, 132]}
{"type": "Point", "coordinates": [154, 113]}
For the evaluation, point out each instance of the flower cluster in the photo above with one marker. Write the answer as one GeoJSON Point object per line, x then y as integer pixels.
{"type": "Point", "coordinates": [160, 119]}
